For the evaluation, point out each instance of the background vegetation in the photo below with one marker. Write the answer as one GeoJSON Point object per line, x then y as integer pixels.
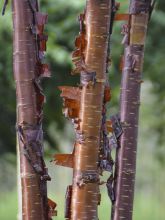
{"type": "Point", "coordinates": [62, 29]}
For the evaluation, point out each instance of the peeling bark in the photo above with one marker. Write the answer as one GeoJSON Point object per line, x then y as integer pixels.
{"type": "Point", "coordinates": [134, 41]}
{"type": "Point", "coordinates": [85, 191]}
{"type": "Point", "coordinates": [28, 53]}
{"type": "Point", "coordinates": [85, 106]}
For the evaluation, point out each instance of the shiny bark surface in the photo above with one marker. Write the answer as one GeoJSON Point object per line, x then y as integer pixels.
{"type": "Point", "coordinates": [129, 109]}
{"type": "Point", "coordinates": [29, 112]}
{"type": "Point", "coordinates": [85, 192]}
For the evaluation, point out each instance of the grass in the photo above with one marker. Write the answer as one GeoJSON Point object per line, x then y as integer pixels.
{"type": "Point", "coordinates": [8, 205]}
{"type": "Point", "coordinates": [148, 208]}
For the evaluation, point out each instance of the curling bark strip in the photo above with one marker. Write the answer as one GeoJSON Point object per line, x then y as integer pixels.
{"type": "Point", "coordinates": [134, 41]}
{"type": "Point", "coordinates": [85, 192]}
{"type": "Point", "coordinates": [28, 53]}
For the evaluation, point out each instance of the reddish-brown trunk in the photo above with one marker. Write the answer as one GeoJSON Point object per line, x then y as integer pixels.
{"type": "Point", "coordinates": [85, 192]}
{"type": "Point", "coordinates": [28, 49]}
{"type": "Point", "coordinates": [84, 105]}
{"type": "Point", "coordinates": [134, 40]}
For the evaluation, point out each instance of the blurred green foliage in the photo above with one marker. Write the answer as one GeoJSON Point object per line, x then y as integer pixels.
{"type": "Point", "coordinates": [62, 29]}
{"type": "Point", "coordinates": [154, 70]}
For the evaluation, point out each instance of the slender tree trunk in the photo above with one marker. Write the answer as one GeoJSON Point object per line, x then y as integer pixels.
{"type": "Point", "coordinates": [85, 193]}
{"type": "Point", "coordinates": [85, 105]}
{"type": "Point", "coordinates": [28, 49]}
{"type": "Point", "coordinates": [134, 40]}
{"type": "Point", "coordinates": [19, 191]}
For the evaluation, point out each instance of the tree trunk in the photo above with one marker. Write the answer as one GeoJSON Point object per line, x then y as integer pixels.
{"type": "Point", "coordinates": [28, 50]}
{"type": "Point", "coordinates": [95, 34]}
{"type": "Point", "coordinates": [134, 40]}
{"type": "Point", "coordinates": [19, 190]}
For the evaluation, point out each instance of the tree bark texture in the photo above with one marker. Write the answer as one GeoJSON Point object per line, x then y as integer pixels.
{"type": "Point", "coordinates": [84, 105]}
{"type": "Point", "coordinates": [28, 53]}
{"type": "Point", "coordinates": [92, 65]}
{"type": "Point", "coordinates": [134, 41]}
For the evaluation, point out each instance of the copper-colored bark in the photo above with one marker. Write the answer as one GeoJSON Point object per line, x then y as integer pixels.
{"type": "Point", "coordinates": [65, 160]}
{"type": "Point", "coordinates": [28, 26]}
{"type": "Point", "coordinates": [85, 192]}
{"type": "Point", "coordinates": [134, 41]}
